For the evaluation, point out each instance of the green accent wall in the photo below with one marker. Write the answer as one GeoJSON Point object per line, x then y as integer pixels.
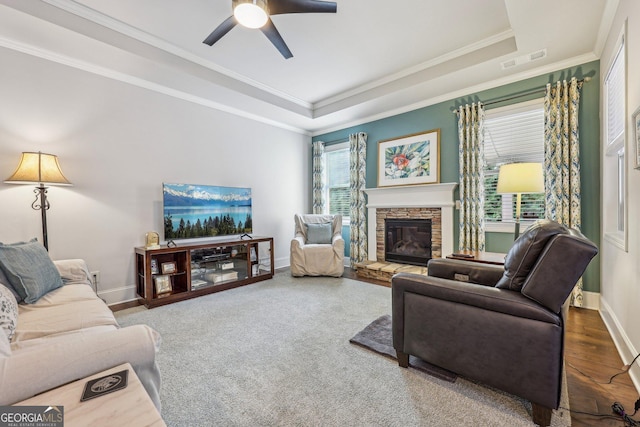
{"type": "Point", "coordinates": [441, 116]}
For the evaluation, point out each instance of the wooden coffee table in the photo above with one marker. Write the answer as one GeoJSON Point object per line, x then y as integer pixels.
{"type": "Point", "coordinates": [130, 406]}
{"type": "Point", "coordinates": [482, 257]}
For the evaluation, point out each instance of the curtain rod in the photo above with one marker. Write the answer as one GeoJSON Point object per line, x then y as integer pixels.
{"type": "Point", "coordinates": [522, 95]}
{"type": "Point", "coordinates": [336, 140]}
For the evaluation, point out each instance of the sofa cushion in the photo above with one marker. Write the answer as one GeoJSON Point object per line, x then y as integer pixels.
{"type": "Point", "coordinates": [319, 233]}
{"type": "Point", "coordinates": [73, 271]}
{"type": "Point", "coordinates": [29, 269]}
{"type": "Point", "coordinates": [69, 308]}
{"type": "Point", "coordinates": [525, 251]}
{"type": "Point", "coordinates": [8, 312]}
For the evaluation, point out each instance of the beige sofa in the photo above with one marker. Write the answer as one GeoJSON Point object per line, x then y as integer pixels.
{"type": "Point", "coordinates": [68, 334]}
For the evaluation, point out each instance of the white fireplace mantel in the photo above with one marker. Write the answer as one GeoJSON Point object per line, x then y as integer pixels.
{"type": "Point", "coordinates": [412, 196]}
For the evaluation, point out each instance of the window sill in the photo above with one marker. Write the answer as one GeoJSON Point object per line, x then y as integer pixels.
{"type": "Point", "coordinates": [506, 227]}
{"type": "Point", "coordinates": [617, 239]}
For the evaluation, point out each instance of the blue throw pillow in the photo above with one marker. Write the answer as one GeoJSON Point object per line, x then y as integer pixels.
{"type": "Point", "coordinates": [319, 233]}
{"type": "Point", "coordinates": [4, 281]}
{"type": "Point", "coordinates": [29, 269]}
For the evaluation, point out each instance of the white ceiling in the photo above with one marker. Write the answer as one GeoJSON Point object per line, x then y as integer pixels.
{"type": "Point", "coordinates": [371, 59]}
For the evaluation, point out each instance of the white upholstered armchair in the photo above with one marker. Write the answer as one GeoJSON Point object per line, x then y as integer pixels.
{"type": "Point", "coordinates": [318, 247]}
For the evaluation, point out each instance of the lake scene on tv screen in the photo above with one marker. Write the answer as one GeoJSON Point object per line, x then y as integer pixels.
{"type": "Point", "coordinates": [192, 211]}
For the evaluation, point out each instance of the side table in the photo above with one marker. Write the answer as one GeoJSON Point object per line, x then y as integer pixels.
{"type": "Point", "coordinates": [130, 406]}
{"type": "Point", "coordinates": [482, 257]}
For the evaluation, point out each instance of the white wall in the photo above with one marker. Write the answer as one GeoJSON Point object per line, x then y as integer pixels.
{"type": "Point", "coordinates": [117, 144]}
{"type": "Point", "coordinates": [620, 286]}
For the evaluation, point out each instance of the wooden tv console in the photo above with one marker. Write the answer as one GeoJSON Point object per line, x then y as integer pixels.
{"type": "Point", "coordinates": [167, 275]}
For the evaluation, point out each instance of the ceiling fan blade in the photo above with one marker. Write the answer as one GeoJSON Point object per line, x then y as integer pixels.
{"type": "Point", "coordinates": [278, 7]}
{"type": "Point", "coordinates": [222, 29]}
{"type": "Point", "coordinates": [274, 36]}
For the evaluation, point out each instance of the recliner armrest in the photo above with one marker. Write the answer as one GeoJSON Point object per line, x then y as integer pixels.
{"type": "Point", "coordinates": [484, 297]}
{"type": "Point", "coordinates": [482, 274]}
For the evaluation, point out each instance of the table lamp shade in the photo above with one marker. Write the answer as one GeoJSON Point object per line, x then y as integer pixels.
{"type": "Point", "coordinates": [38, 167]}
{"type": "Point", "coordinates": [520, 178]}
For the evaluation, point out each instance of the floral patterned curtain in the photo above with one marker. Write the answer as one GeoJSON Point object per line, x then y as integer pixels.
{"type": "Point", "coordinates": [562, 158]}
{"type": "Point", "coordinates": [318, 177]}
{"type": "Point", "coordinates": [357, 209]}
{"type": "Point", "coordinates": [471, 152]}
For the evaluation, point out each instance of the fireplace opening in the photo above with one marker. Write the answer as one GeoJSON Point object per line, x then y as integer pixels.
{"type": "Point", "coordinates": [407, 241]}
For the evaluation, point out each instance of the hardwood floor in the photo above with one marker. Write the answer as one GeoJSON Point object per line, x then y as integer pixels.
{"type": "Point", "coordinates": [589, 350]}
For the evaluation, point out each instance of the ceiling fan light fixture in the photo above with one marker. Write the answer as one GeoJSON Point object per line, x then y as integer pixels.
{"type": "Point", "coordinates": [251, 13]}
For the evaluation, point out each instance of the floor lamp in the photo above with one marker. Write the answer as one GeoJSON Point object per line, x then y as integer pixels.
{"type": "Point", "coordinates": [43, 169]}
{"type": "Point", "coordinates": [519, 179]}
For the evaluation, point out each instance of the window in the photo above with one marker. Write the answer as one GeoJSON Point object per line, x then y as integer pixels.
{"type": "Point", "coordinates": [614, 163]}
{"type": "Point", "coordinates": [337, 194]}
{"type": "Point", "coordinates": [514, 133]}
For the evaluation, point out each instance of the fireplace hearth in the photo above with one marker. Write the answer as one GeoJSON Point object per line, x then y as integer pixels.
{"type": "Point", "coordinates": [407, 241]}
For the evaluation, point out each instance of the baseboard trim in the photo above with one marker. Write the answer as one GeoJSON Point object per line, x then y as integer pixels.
{"type": "Point", "coordinates": [621, 340]}
{"type": "Point", "coordinates": [591, 300]}
{"type": "Point", "coordinates": [119, 295]}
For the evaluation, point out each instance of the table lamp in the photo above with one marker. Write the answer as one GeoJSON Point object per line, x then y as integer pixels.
{"type": "Point", "coordinates": [43, 169]}
{"type": "Point", "coordinates": [519, 179]}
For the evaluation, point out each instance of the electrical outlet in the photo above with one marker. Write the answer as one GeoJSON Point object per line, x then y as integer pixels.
{"type": "Point", "coordinates": [95, 278]}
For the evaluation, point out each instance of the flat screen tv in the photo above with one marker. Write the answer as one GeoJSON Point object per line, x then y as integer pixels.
{"type": "Point", "coordinates": [194, 211]}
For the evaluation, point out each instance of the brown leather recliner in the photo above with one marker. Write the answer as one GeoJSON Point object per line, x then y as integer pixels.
{"type": "Point", "coordinates": [500, 326]}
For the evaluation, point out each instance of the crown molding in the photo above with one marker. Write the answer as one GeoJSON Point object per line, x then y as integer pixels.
{"type": "Point", "coordinates": [139, 82]}
{"type": "Point", "coordinates": [546, 69]}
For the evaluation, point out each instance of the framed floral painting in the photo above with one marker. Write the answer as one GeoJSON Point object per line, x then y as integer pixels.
{"type": "Point", "coordinates": [410, 159]}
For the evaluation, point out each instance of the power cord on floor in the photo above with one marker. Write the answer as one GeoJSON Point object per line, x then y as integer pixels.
{"type": "Point", "coordinates": [617, 408]}
{"type": "Point", "coordinates": [624, 370]}
{"type": "Point", "coordinates": [628, 421]}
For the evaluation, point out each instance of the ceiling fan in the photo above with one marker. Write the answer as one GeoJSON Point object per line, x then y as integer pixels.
{"type": "Point", "coordinates": [256, 14]}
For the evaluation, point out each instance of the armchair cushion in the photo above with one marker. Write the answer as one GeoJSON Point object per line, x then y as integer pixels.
{"type": "Point", "coordinates": [29, 269]}
{"type": "Point", "coordinates": [525, 252]}
{"type": "Point", "coordinates": [319, 233]}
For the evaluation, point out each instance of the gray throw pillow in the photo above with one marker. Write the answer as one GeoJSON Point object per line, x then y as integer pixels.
{"type": "Point", "coordinates": [8, 312]}
{"type": "Point", "coordinates": [29, 269]}
{"type": "Point", "coordinates": [319, 233]}
{"type": "Point", "coordinates": [525, 252]}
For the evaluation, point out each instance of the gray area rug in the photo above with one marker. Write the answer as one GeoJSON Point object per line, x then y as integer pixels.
{"type": "Point", "coordinates": [378, 337]}
{"type": "Point", "coordinates": [277, 353]}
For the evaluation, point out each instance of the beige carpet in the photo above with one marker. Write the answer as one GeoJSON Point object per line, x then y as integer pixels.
{"type": "Point", "coordinates": [277, 353]}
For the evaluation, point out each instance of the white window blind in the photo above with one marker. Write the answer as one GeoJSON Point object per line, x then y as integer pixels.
{"type": "Point", "coordinates": [615, 93]}
{"type": "Point", "coordinates": [337, 179]}
{"type": "Point", "coordinates": [512, 134]}
{"type": "Point", "coordinates": [614, 162]}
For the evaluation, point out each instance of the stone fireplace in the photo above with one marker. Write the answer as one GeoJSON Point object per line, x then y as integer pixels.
{"type": "Point", "coordinates": [407, 241]}
{"type": "Point", "coordinates": [410, 246]}
{"type": "Point", "coordinates": [433, 202]}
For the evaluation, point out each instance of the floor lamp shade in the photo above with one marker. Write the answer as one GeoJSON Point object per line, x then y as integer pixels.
{"type": "Point", "coordinates": [40, 168]}
{"type": "Point", "coordinates": [520, 178]}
